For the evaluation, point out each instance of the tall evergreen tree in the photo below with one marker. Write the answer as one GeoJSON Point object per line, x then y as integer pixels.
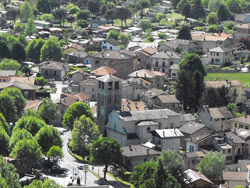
{"type": "Point", "coordinates": [198, 10]}
{"type": "Point", "coordinates": [223, 13]}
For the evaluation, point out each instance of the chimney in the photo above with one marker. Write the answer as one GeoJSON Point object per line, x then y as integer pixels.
{"type": "Point", "coordinates": [174, 131]}
{"type": "Point", "coordinates": [130, 147]}
{"type": "Point", "coordinates": [163, 134]}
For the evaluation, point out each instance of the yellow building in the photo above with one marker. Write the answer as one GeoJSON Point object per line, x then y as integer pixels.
{"type": "Point", "coordinates": [241, 122]}
{"type": "Point", "coordinates": [73, 47]}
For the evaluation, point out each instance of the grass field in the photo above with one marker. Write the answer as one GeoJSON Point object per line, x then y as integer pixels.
{"type": "Point", "coordinates": [243, 77]}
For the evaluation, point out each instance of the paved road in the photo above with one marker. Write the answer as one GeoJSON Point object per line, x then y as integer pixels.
{"type": "Point", "coordinates": [57, 95]}
{"type": "Point", "coordinates": [71, 165]}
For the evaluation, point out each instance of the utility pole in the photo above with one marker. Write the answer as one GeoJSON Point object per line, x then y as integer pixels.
{"type": "Point", "coordinates": [86, 168]}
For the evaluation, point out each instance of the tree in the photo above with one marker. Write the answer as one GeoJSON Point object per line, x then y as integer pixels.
{"type": "Point", "coordinates": [85, 131]}
{"type": "Point", "coordinates": [83, 14]}
{"type": "Point", "coordinates": [212, 18]}
{"type": "Point", "coordinates": [26, 11]}
{"type": "Point", "coordinates": [47, 17]}
{"type": "Point", "coordinates": [189, 92]}
{"type": "Point", "coordinates": [184, 33]}
{"type": "Point", "coordinates": [45, 184]}
{"type": "Point", "coordinates": [55, 152]}
{"type": "Point", "coordinates": [73, 10]}
{"type": "Point", "coordinates": [30, 123]}
{"type": "Point", "coordinates": [186, 10]}
{"type": "Point", "coordinates": [9, 174]}
{"type": "Point", "coordinates": [51, 50]}
{"type": "Point", "coordinates": [83, 23]}
{"type": "Point", "coordinates": [60, 14]}
{"type": "Point", "coordinates": [223, 13]}
{"type": "Point", "coordinates": [234, 6]}
{"type": "Point", "coordinates": [17, 135]}
{"type": "Point", "coordinates": [23, 40]}
{"type": "Point", "coordinates": [7, 107]}
{"type": "Point", "coordinates": [213, 5]}
{"type": "Point", "coordinates": [4, 142]}
{"type": "Point", "coordinates": [43, 6]}
{"type": "Point", "coordinates": [19, 100]}
{"type": "Point", "coordinates": [175, 2]}
{"type": "Point", "coordinates": [74, 112]}
{"type": "Point", "coordinates": [174, 164]}
{"type": "Point", "coordinates": [48, 137]}
{"type": "Point", "coordinates": [18, 52]}
{"type": "Point", "coordinates": [106, 151]}
{"type": "Point", "coordinates": [245, 41]}
{"type": "Point", "coordinates": [198, 10]}
{"type": "Point", "coordinates": [13, 14]}
{"type": "Point", "coordinates": [113, 34]}
{"type": "Point", "coordinates": [110, 14]}
{"type": "Point", "coordinates": [41, 81]}
{"type": "Point", "coordinates": [123, 14]}
{"type": "Point", "coordinates": [71, 19]}
{"type": "Point", "coordinates": [19, 28]}
{"type": "Point", "coordinates": [94, 6]}
{"type": "Point", "coordinates": [4, 124]}
{"type": "Point", "coordinates": [181, 3]}
{"type": "Point", "coordinates": [124, 39]}
{"type": "Point", "coordinates": [35, 11]}
{"type": "Point", "coordinates": [212, 165]}
{"type": "Point", "coordinates": [144, 24]}
{"type": "Point", "coordinates": [30, 27]}
{"type": "Point", "coordinates": [212, 29]}
{"type": "Point", "coordinates": [33, 49]}
{"type": "Point", "coordinates": [27, 151]}
{"type": "Point", "coordinates": [9, 64]}
{"type": "Point", "coordinates": [26, 70]}
{"type": "Point", "coordinates": [47, 110]}
{"type": "Point", "coordinates": [4, 50]}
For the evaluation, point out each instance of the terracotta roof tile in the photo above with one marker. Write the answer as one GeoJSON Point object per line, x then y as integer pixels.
{"type": "Point", "coordinates": [102, 71]}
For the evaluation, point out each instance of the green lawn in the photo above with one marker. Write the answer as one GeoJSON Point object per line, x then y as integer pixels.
{"type": "Point", "coordinates": [243, 77]}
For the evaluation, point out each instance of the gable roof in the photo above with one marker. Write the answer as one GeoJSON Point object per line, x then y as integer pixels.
{"type": "Point", "coordinates": [103, 70]}
{"type": "Point", "coordinates": [89, 82]}
{"type": "Point", "coordinates": [234, 137]}
{"type": "Point", "coordinates": [19, 85]}
{"type": "Point", "coordinates": [193, 176]}
{"type": "Point", "coordinates": [7, 73]}
{"type": "Point", "coordinates": [167, 133]}
{"type": "Point", "coordinates": [138, 150]}
{"type": "Point", "coordinates": [108, 78]}
{"type": "Point", "coordinates": [52, 65]}
{"type": "Point", "coordinates": [152, 93]}
{"type": "Point", "coordinates": [243, 26]}
{"type": "Point", "coordinates": [220, 112]}
{"type": "Point", "coordinates": [74, 45]}
{"type": "Point", "coordinates": [191, 127]}
{"type": "Point", "coordinates": [220, 83]}
{"type": "Point", "coordinates": [144, 73]}
{"type": "Point", "coordinates": [129, 105]}
{"type": "Point", "coordinates": [113, 42]}
{"type": "Point", "coordinates": [234, 176]}
{"type": "Point", "coordinates": [168, 99]}
{"type": "Point", "coordinates": [109, 54]}
{"type": "Point", "coordinates": [149, 50]}
{"type": "Point", "coordinates": [25, 80]}
{"type": "Point", "coordinates": [242, 119]}
{"type": "Point", "coordinates": [81, 71]}
{"type": "Point", "coordinates": [220, 49]}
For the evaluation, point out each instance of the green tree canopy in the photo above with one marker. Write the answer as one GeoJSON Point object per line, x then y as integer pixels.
{"type": "Point", "coordinates": [110, 14]}
{"type": "Point", "coordinates": [51, 50]}
{"type": "Point", "coordinates": [83, 23]}
{"type": "Point", "coordinates": [47, 17]}
{"type": "Point", "coordinates": [124, 39]}
{"type": "Point", "coordinates": [26, 11]}
{"type": "Point", "coordinates": [19, 100]}
{"type": "Point", "coordinates": [212, 18]}
{"type": "Point", "coordinates": [9, 64]}
{"type": "Point", "coordinates": [47, 110]}
{"type": "Point", "coordinates": [23, 40]}
{"type": "Point", "coordinates": [94, 6]}
{"type": "Point", "coordinates": [8, 108]}
{"type": "Point", "coordinates": [83, 14]}
{"type": "Point", "coordinates": [13, 14]}
{"type": "Point", "coordinates": [18, 52]}
{"type": "Point", "coordinates": [123, 14]}
{"type": "Point", "coordinates": [223, 13]}
{"type": "Point", "coordinates": [60, 14]}
{"type": "Point", "coordinates": [17, 135]}
{"type": "Point", "coordinates": [41, 81]}
{"type": "Point", "coordinates": [48, 137]}
{"type": "Point", "coordinates": [84, 133]}
{"type": "Point", "coordinates": [27, 151]}
{"type": "Point", "coordinates": [74, 112]}
{"type": "Point", "coordinates": [9, 174]}
{"type": "Point", "coordinates": [144, 24]}
{"type": "Point", "coordinates": [212, 29]}
{"type": "Point", "coordinates": [45, 184]}
{"type": "Point", "coordinates": [30, 27]}
{"type": "Point", "coordinates": [213, 5]}
{"type": "Point", "coordinates": [55, 152]}
{"type": "Point", "coordinates": [4, 124]}
{"type": "Point", "coordinates": [186, 10]}
{"type": "Point", "coordinates": [113, 34]}
{"type": "Point", "coordinates": [234, 6]}
{"type": "Point", "coordinates": [33, 50]}
{"type": "Point", "coordinates": [106, 151]}
{"type": "Point", "coordinates": [43, 6]}
{"type": "Point", "coordinates": [4, 50]}
{"type": "Point", "coordinates": [30, 123]}
{"type": "Point", "coordinates": [184, 33]}
{"type": "Point", "coordinates": [198, 10]}
{"type": "Point", "coordinates": [4, 142]}
{"type": "Point", "coordinates": [212, 165]}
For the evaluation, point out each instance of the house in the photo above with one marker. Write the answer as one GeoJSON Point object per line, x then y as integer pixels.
{"type": "Point", "coordinates": [103, 71]}
{"type": "Point", "coordinates": [133, 87]}
{"type": "Point", "coordinates": [174, 71]}
{"type": "Point", "coordinates": [156, 78]}
{"type": "Point", "coordinates": [72, 47]}
{"type": "Point", "coordinates": [77, 57]}
{"type": "Point", "coordinates": [28, 90]}
{"type": "Point", "coordinates": [78, 76]}
{"type": "Point", "coordinates": [134, 127]}
{"type": "Point", "coordinates": [242, 122]}
{"type": "Point", "coordinates": [196, 179]}
{"type": "Point", "coordinates": [217, 119]}
{"type": "Point", "coordinates": [57, 32]}
{"type": "Point", "coordinates": [167, 101]}
{"type": "Point", "coordinates": [192, 159]}
{"type": "Point", "coordinates": [5, 75]}
{"type": "Point", "coordinates": [241, 54]}
{"type": "Point", "coordinates": [130, 105]}
{"type": "Point", "coordinates": [25, 80]}
{"type": "Point", "coordinates": [242, 31]}
{"type": "Point", "coordinates": [219, 56]}
{"type": "Point", "coordinates": [162, 61]}
{"type": "Point", "coordinates": [88, 86]}
{"type": "Point", "coordinates": [186, 118]}
{"type": "Point", "coordinates": [242, 18]}
{"type": "Point", "coordinates": [42, 24]}
{"type": "Point", "coordinates": [136, 154]}
{"type": "Point", "coordinates": [110, 44]}
{"type": "Point", "coordinates": [234, 179]}
{"type": "Point", "coordinates": [195, 135]}
{"type": "Point", "coordinates": [53, 70]}
{"type": "Point", "coordinates": [149, 95]}
{"type": "Point", "coordinates": [182, 45]}
{"type": "Point", "coordinates": [235, 90]}
{"type": "Point", "coordinates": [3, 16]}
{"type": "Point", "coordinates": [244, 134]}
{"type": "Point", "coordinates": [167, 139]}
{"type": "Point", "coordinates": [66, 101]}
{"type": "Point", "coordinates": [121, 62]}
{"type": "Point", "coordinates": [144, 57]}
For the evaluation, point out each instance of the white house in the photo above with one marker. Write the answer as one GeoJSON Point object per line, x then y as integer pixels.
{"type": "Point", "coordinates": [219, 56]}
{"type": "Point", "coordinates": [110, 44]}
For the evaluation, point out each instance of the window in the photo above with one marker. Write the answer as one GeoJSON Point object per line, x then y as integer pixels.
{"type": "Point", "coordinates": [217, 60]}
{"type": "Point", "coordinates": [61, 111]}
{"type": "Point", "coordinates": [241, 126]}
{"type": "Point", "coordinates": [217, 54]}
{"type": "Point", "coordinates": [110, 85]}
{"type": "Point", "coordinates": [46, 72]}
{"type": "Point", "coordinates": [96, 62]}
{"type": "Point", "coordinates": [229, 158]}
{"type": "Point", "coordinates": [235, 125]}
{"type": "Point", "coordinates": [247, 127]}
{"type": "Point", "coordinates": [110, 48]}
{"type": "Point", "coordinates": [148, 129]}
{"type": "Point", "coordinates": [163, 64]}
{"type": "Point", "coordinates": [100, 84]}
{"type": "Point", "coordinates": [156, 63]}
{"type": "Point", "coordinates": [173, 74]}
{"type": "Point", "coordinates": [116, 85]}
{"type": "Point", "coordinates": [229, 150]}
{"type": "Point", "coordinates": [223, 151]}
{"type": "Point", "coordinates": [4, 80]}
{"type": "Point", "coordinates": [93, 89]}
{"type": "Point", "coordinates": [83, 89]}
{"type": "Point", "coordinates": [115, 127]}
{"type": "Point", "coordinates": [163, 70]}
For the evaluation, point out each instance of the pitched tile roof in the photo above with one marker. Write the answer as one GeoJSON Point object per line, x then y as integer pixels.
{"type": "Point", "coordinates": [25, 80]}
{"type": "Point", "coordinates": [113, 42]}
{"type": "Point", "coordinates": [108, 78]}
{"type": "Point", "coordinates": [7, 73]}
{"type": "Point", "coordinates": [168, 133]}
{"type": "Point", "coordinates": [89, 82]}
{"type": "Point", "coordinates": [243, 26]}
{"type": "Point", "coordinates": [144, 73]}
{"type": "Point", "coordinates": [74, 45]}
{"type": "Point", "coordinates": [103, 70]}
{"type": "Point", "coordinates": [137, 151]}
{"type": "Point", "coordinates": [129, 105]}
{"type": "Point", "coordinates": [191, 127]}
{"type": "Point", "coordinates": [19, 85]}
{"type": "Point", "coordinates": [220, 49]}
{"type": "Point", "coordinates": [167, 99]}
{"type": "Point", "coordinates": [81, 71]}
{"type": "Point", "coordinates": [234, 137]}
{"type": "Point", "coordinates": [193, 176]}
{"type": "Point", "coordinates": [53, 65]}
{"type": "Point", "coordinates": [109, 54]}
{"type": "Point", "coordinates": [234, 176]}
{"type": "Point", "coordinates": [220, 112]}
{"type": "Point", "coordinates": [242, 119]}
{"type": "Point", "coordinates": [152, 93]}
{"type": "Point", "coordinates": [149, 50]}
{"type": "Point", "coordinates": [220, 83]}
